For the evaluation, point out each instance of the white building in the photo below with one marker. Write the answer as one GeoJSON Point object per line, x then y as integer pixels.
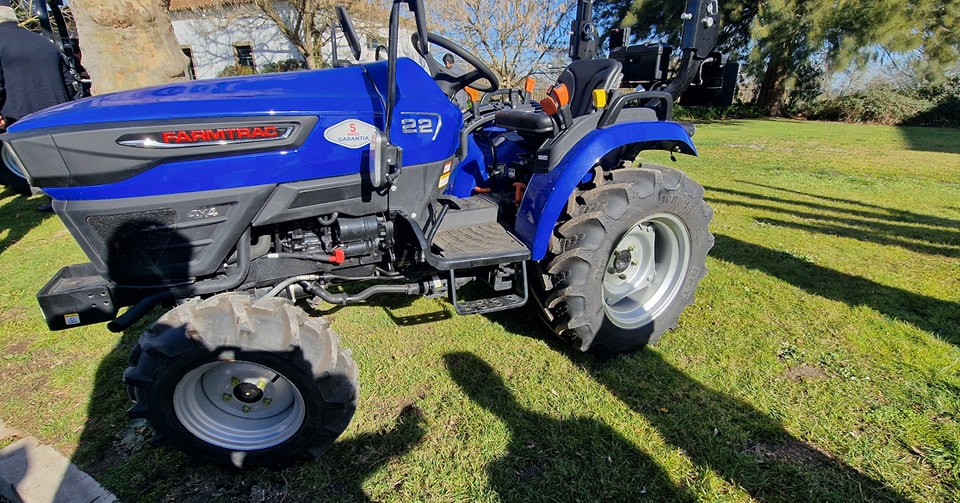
{"type": "Point", "coordinates": [217, 34]}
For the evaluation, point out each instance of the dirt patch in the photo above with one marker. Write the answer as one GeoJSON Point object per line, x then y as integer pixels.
{"type": "Point", "coordinates": [206, 483]}
{"type": "Point", "coordinates": [30, 378]}
{"type": "Point", "coordinates": [13, 314]}
{"type": "Point", "coordinates": [804, 371]}
{"type": "Point", "coordinates": [17, 347]}
{"type": "Point", "coordinates": [796, 453]}
{"type": "Point", "coordinates": [191, 481]}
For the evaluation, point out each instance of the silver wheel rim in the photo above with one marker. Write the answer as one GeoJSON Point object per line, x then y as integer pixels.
{"type": "Point", "coordinates": [645, 271]}
{"type": "Point", "coordinates": [238, 405]}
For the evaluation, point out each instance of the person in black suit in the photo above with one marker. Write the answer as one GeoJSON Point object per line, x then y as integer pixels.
{"type": "Point", "coordinates": [33, 76]}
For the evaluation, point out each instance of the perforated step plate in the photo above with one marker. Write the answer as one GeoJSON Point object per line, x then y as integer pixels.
{"type": "Point", "coordinates": [476, 245]}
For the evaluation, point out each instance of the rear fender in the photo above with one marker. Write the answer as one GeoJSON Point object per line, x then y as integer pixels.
{"type": "Point", "coordinates": [547, 193]}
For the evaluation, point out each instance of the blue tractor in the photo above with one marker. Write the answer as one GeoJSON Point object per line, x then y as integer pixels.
{"type": "Point", "coordinates": [231, 201]}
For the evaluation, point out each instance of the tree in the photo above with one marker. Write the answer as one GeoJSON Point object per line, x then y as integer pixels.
{"type": "Point", "coordinates": [127, 43]}
{"type": "Point", "coordinates": [661, 20]}
{"type": "Point", "coordinates": [789, 34]}
{"type": "Point", "coordinates": [28, 19]}
{"type": "Point", "coordinates": [785, 36]}
{"type": "Point", "coordinates": [516, 38]}
{"type": "Point", "coordinates": [305, 24]}
{"type": "Point", "coordinates": [926, 35]}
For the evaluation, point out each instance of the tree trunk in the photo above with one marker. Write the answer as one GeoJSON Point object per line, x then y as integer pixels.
{"type": "Point", "coordinates": [127, 43]}
{"type": "Point", "coordinates": [773, 87]}
{"type": "Point", "coordinates": [312, 53]}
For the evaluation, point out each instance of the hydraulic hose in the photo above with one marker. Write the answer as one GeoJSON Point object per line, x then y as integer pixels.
{"type": "Point", "coordinates": [138, 310]}
{"type": "Point", "coordinates": [343, 299]}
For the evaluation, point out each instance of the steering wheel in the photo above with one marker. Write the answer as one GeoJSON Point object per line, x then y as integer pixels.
{"type": "Point", "coordinates": [451, 84]}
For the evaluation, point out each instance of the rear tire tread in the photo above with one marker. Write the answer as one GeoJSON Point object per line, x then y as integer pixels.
{"type": "Point", "coordinates": [597, 215]}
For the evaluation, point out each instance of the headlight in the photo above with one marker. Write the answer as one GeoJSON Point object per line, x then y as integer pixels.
{"type": "Point", "coordinates": [12, 162]}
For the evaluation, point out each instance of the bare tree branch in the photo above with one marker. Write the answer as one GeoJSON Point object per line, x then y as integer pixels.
{"type": "Point", "coordinates": [514, 37]}
{"type": "Point", "coordinates": [305, 23]}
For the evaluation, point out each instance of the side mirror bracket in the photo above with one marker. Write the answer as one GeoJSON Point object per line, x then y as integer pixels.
{"type": "Point", "coordinates": [346, 26]}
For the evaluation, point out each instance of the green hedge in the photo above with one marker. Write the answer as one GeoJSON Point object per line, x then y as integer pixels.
{"type": "Point", "coordinates": [924, 106]}
{"type": "Point", "coordinates": [876, 106]}
{"type": "Point", "coordinates": [286, 65]}
{"type": "Point", "coordinates": [735, 111]}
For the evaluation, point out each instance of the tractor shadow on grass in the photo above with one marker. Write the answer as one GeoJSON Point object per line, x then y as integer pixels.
{"type": "Point", "coordinates": [938, 317]}
{"type": "Point", "coordinates": [753, 452]}
{"type": "Point", "coordinates": [911, 231]}
{"type": "Point", "coordinates": [757, 454]}
{"type": "Point", "coordinates": [558, 460]}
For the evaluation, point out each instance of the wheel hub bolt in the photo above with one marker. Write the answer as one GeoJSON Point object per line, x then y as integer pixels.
{"type": "Point", "coordinates": [248, 392]}
{"type": "Point", "coordinates": [246, 408]}
{"type": "Point", "coordinates": [621, 260]}
{"type": "Point", "coordinates": [266, 401]}
{"type": "Point", "coordinates": [234, 381]}
{"type": "Point", "coordinates": [226, 397]}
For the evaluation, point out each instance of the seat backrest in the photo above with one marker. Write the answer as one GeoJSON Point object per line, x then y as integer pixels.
{"type": "Point", "coordinates": [583, 76]}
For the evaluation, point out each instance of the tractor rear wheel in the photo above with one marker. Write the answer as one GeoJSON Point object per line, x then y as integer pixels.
{"type": "Point", "coordinates": [240, 382]}
{"type": "Point", "coordinates": [626, 259]}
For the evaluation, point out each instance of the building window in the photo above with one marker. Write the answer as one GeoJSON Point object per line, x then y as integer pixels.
{"type": "Point", "coordinates": [244, 54]}
{"type": "Point", "coordinates": [191, 69]}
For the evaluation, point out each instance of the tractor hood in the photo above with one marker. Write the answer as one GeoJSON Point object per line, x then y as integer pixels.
{"type": "Point", "coordinates": [275, 128]}
{"type": "Point", "coordinates": [294, 93]}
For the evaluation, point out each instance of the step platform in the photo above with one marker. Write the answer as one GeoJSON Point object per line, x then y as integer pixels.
{"type": "Point", "coordinates": [470, 236]}
{"type": "Point", "coordinates": [513, 299]}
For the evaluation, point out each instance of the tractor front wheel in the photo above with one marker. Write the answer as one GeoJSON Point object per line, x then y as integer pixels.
{"type": "Point", "coordinates": [627, 258]}
{"type": "Point", "coordinates": [244, 383]}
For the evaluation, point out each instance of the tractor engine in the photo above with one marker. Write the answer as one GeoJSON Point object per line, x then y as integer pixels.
{"type": "Point", "coordinates": [346, 241]}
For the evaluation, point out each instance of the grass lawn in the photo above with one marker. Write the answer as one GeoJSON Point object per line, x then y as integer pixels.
{"type": "Point", "coordinates": [820, 361]}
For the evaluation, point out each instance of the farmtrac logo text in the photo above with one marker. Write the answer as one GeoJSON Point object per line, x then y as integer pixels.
{"type": "Point", "coordinates": [206, 137]}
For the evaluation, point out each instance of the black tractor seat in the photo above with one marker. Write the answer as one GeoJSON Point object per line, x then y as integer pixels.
{"type": "Point", "coordinates": [526, 122]}
{"type": "Point", "coordinates": [580, 78]}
